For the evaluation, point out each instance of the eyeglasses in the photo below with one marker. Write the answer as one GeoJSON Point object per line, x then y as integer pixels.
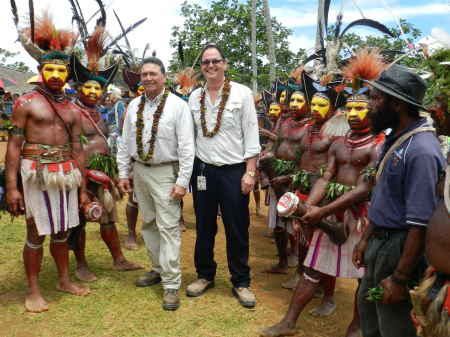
{"type": "Point", "coordinates": [213, 61]}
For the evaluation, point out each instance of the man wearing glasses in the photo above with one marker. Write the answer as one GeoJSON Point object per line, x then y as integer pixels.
{"type": "Point", "coordinates": [227, 145]}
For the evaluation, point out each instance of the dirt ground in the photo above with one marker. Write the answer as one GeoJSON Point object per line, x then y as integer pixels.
{"type": "Point", "coordinates": [214, 314]}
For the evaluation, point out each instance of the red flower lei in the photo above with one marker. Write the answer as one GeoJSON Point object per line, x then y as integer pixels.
{"type": "Point", "coordinates": [225, 94]}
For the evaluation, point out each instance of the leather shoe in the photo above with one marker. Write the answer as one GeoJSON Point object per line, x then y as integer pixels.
{"type": "Point", "coordinates": [171, 300]}
{"type": "Point", "coordinates": [245, 297]}
{"type": "Point", "coordinates": [148, 279]}
{"type": "Point", "coordinates": [198, 287]}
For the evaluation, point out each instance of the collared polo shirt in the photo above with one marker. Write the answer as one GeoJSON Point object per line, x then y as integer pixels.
{"type": "Point", "coordinates": [406, 193]}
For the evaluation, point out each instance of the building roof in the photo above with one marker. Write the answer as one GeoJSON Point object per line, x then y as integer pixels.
{"type": "Point", "coordinates": [20, 77]}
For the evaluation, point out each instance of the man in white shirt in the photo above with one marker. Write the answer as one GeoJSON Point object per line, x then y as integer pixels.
{"type": "Point", "coordinates": [227, 145]}
{"type": "Point", "coordinates": [158, 143]}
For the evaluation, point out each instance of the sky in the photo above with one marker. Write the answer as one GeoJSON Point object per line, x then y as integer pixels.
{"type": "Point", "coordinates": [430, 16]}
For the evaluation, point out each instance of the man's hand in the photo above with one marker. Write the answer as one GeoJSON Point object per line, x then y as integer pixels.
{"type": "Point", "coordinates": [358, 253]}
{"type": "Point", "coordinates": [313, 215]}
{"type": "Point", "coordinates": [178, 192]}
{"type": "Point", "coordinates": [393, 292]}
{"type": "Point", "coordinates": [124, 185]}
{"type": "Point", "coordinates": [14, 200]}
{"type": "Point", "coordinates": [267, 133]}
{"type": "Point", "coordinates": [247, 184]}
{"type": "Point", "coordinates": [275, 182]}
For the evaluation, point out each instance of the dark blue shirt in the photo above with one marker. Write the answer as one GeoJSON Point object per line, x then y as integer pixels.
{"type": "Point", "coordinates": [405, 194]}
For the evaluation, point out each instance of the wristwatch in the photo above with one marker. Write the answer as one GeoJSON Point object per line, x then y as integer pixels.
{"type": "Point", "coordinates": [251, 173]}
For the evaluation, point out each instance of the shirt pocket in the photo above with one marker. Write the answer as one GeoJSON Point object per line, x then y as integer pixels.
{"type": "Point", "coordinates": [231, 115]}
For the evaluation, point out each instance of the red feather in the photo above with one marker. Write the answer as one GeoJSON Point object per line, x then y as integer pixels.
{"type": "Point", "coordinates": [95, 48]}
{"type": "Point", "coordinates": [365, 65]}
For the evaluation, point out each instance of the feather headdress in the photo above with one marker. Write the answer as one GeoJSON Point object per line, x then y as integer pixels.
{"type": "Point", "coordinates": [44, 42]}
{"type": "Point", "coordinates": [95, 48]}
{"type": "Point", "coordinates": [365, 65]}
{"type": "Point", "coordinates": [185, 81]}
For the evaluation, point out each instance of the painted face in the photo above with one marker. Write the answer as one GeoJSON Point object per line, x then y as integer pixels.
{"type": "Point", "coordinates": [54, 75]}
{"type": "Point", "coordinates": [320, 106]}
{"type": "Point", "coordinates": [297, 101]}
{"type": "Point", "coordinates": [90, 92]}
{"type": "Point", "coordinates": [140, 90]}
{"type": "Point", "coordinates": [283, 96]}
{"type": "Point", "coordinates": [274, 110]}
{"type": "Point", "coordinates": [356, 113]}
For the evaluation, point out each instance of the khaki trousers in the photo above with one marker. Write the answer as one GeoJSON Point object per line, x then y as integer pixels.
{"type": "Point", "coordinates": [161, 215]}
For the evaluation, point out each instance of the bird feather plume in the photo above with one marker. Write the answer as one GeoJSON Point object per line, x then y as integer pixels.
{"type": "Point", "coordinates": [95, 48]}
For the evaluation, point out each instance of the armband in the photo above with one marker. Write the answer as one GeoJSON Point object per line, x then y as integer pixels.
{"type": "Point", "coordinates": [16, 131]}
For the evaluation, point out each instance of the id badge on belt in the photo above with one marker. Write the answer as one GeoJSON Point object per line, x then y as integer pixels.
{"type": "Point", "coordinates": [201, 179]}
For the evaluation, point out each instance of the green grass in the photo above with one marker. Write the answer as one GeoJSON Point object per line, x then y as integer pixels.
{"type": "Point", "coordinates": [116, 308]}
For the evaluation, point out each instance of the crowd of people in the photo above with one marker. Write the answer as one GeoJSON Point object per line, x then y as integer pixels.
{"type": "Point", "coordinates": [350, 163]}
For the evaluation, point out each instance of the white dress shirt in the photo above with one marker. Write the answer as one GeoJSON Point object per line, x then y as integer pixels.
{"type": "Point", "coordinates": [238, 136]}
{"type": "Point", "coordinates": [174, 140]}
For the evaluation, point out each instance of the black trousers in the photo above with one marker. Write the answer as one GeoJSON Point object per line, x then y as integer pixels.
{"type": "Point", "coordinates": [223, 188]}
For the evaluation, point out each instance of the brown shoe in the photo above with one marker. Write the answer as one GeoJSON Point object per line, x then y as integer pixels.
{"type": "Point", "coordinates": [245, 297]}
{"type": "Point", "coordinates": [171, 300]}
{"type": "Point", "coordinates": [198, 287]}
{"type": "Point", "coordinates": [148, 279]}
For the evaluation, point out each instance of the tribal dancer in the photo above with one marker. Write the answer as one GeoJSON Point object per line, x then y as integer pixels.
{"type": "Point", "coordinates": [280, 161]}
{"type": "Point", "coordinates": [49, 163]}
{"type": "Point", "coordinates": [343, 189]}
{"type": "Point", "coordinates": [102, 167]}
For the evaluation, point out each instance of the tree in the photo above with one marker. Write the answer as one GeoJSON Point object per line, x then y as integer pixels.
{"type": "Point", "coordinates": [253, 41]}
{"type": "Point", "coordinates": [227, 23]}
{"type": "Point", "coordinates": [391, 48]}
{"type": "Point", "coordinates": [270, 41]}
{"type": "Point", "coordinates": [5, 60]}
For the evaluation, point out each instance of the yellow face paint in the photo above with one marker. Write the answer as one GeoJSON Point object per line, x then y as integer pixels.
{"type": "Point", "coordinates": [356, 110]}
{"type": "Point", "coordinates": [297, 101]}
{"type": "Point", "coordinates": [140, 90]}
{"type": "Point", "coordinates": [320, 106]}
{"type": "Point", "coordinates": [91, 91]}
{"type": "Point", "coordinates": [54, 72]}
{"type": "Point", "coordinates": [283, 97]}
{"type": "Point", "coordinates": [274, 110]}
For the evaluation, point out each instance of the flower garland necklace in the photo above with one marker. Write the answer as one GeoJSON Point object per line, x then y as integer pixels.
{"type": "Point", "coordinates": [225, 94]}
{"type": "Point", "coordinates": [140, 126]}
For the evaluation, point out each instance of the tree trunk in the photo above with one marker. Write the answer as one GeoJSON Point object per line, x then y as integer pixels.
{"type": "Point", "coordinates": [253, 45]}
{"type": "Point", "coordinates": [270, 41]}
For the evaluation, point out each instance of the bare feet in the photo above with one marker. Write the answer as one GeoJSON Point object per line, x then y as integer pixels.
{"type": "Point", "coordinates": [277, 269]}
{"type": "Point", "coordinates": [126, 265]}
{"type": "Point", "coordinates": [73, 288]}
{"type": "Point", "coordinates": [326, 308]}
{"type": "Point", "coordinates": [85, 275]}
{"type": "Point", "coordinates": [131, 244]}
{"type": "Point", "coordinates": [279, 329]}
{"type": "Point", "coordinates": [35, 303]}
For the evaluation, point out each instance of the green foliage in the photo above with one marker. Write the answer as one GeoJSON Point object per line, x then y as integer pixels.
{"type": "Point", "coordinates": [369, 174]}
{"type": "Point", "coordinates": [439, 82]}
{"type": "Point", "coordinates": [375, 294]}
{"type": "Point", "coordinates": [227, 24]}
{"type": "Point", "coordinates": [302, 180]}
{"type": "Point", "coordinates": [387, 45]}
{"type": "Point", "coordinates": [105, 163]}
{"type": "Point", "coordinates": [283, 167]}
{"type": "Point", "coordinates": [335, 190]}
{"type": "Point", "coordinates": [5, 60]}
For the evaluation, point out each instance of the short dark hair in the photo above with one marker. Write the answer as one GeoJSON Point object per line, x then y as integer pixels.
{"type": "Point", "coordinates": [212, 46]}
{"type": "Point", "coordinates": [154, 60]}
